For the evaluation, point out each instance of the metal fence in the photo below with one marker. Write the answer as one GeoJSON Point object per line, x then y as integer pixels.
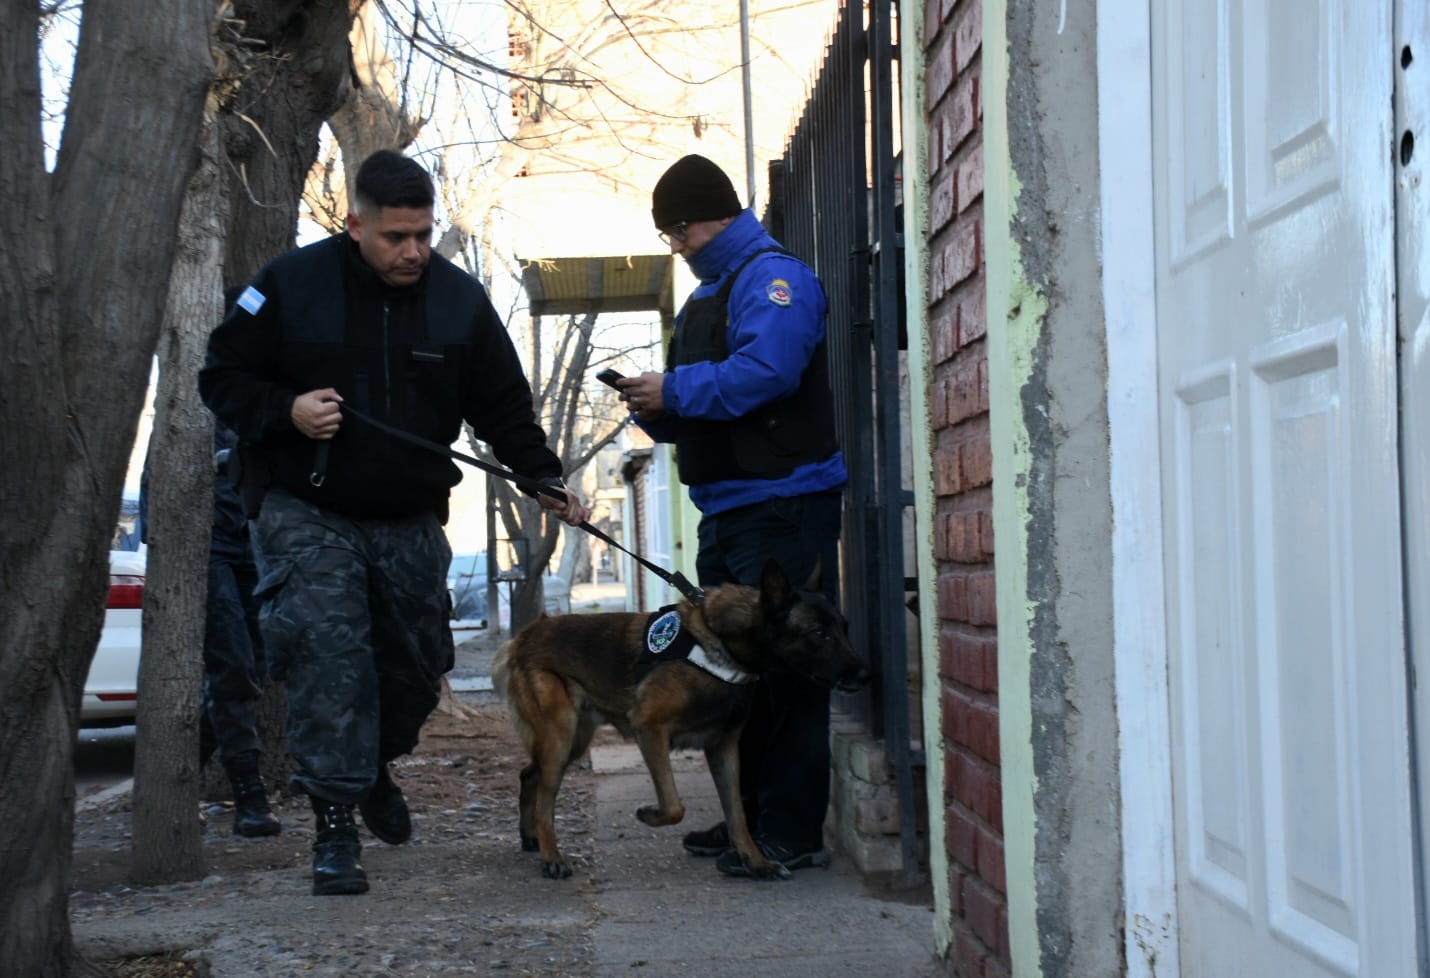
{"type": "Point", "coordinates": [834, 203]}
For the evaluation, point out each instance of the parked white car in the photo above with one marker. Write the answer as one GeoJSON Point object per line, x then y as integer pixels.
{"type": "Point", "coordinates": [110, 690]}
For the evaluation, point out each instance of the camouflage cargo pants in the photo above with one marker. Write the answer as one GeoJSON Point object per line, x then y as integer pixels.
{"type": "Point", "coordinates": [354, 614]}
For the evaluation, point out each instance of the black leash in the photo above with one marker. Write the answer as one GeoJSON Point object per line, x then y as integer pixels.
{"type": "Point", "coordinates": [675, 579]}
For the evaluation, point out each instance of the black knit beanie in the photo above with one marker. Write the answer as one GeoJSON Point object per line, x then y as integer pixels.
{"type": "Point", "coordinates": [693, 189]}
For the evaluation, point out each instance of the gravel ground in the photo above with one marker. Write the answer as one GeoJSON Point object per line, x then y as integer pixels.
{"type": "Point", "coordinates": [459, 899]}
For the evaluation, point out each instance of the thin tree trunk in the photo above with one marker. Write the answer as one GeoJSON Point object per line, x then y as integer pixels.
{"type": "Point", "coordinates": [167, 845]}
{"type": "Point", "coordinates": [82, 302]}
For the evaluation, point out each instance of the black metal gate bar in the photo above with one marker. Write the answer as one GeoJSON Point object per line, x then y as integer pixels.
{"type": "Point", "coordinates": [825, 222]}
{"type": "Point", "coordinates": [888, 585]}
{"type": "Point", "coordinates": [833, 203]}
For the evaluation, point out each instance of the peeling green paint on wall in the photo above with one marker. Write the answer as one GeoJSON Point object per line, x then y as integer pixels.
{"type": "Point", "coordinates": [1017, 313]}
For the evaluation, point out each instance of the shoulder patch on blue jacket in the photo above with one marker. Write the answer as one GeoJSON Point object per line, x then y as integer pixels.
{"type": "Point", "coordinates": [779, 292]}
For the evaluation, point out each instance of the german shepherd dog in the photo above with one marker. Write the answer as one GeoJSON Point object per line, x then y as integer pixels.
{"type": "Point", "coordinates": [563, 675]}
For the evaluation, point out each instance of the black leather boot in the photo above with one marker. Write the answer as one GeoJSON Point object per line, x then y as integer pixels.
{"type": "Point", "coordinates": [251, 814]}
{"type": "Point", "coordinates": [336, 850]}
{"type": "Point", "coordinates": [384, 810]}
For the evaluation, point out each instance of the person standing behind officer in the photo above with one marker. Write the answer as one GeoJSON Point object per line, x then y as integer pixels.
{"type": "Point", "coordinates": [745, 398]}
{"type": "Point", "coordinates": [234, 664]}
{"type": "Point", "coordinates": [354, 605]}
{"type": "Point", "coordinates": [233, 647]}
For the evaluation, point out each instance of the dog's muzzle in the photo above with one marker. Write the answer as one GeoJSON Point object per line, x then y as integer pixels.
{"type": "Point", "coordinates": [851, 681]}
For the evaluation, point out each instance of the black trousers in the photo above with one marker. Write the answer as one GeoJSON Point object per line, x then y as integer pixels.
{"type": "Point", "coordinates": [784, 750]}
{"type": "Point", "coordinates": [233, 660]}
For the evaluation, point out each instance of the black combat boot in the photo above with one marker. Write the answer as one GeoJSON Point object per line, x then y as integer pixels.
{"type": "Point", "coordinates": [251, 814]}
{"type": "Point", "coordinates": [336, 850]}
{"type": "Point", "coordinates": [384, 810]}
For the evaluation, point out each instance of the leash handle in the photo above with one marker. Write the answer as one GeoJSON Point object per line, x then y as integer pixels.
{"type": "Point", "coordinates": [675, 579]}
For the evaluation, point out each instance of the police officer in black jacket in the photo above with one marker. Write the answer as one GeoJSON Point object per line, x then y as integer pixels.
{"type": "Point", "coordinates": [353, 590]}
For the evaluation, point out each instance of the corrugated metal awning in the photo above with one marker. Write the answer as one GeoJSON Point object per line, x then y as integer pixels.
{"type": "Point", "coordinates": [624, 283]}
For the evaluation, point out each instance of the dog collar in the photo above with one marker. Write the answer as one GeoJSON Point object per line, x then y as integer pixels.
{"type": "Point", "coordinates": [668, 640]}
{"type": "Point", "coordinates": [718, 663]}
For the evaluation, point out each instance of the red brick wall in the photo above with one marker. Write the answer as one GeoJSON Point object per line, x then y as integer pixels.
{"type": "Point", "coordinates": [963, 479]}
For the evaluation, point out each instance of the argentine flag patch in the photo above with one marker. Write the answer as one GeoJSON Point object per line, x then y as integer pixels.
{"type": "Point", "coordinates": [251, 301]}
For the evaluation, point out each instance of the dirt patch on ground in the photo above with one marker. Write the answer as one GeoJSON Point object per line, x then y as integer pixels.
{"type": "Point", "coordinates": [459, 898]}
{"type": "Point", "coordinates": [464, 767]}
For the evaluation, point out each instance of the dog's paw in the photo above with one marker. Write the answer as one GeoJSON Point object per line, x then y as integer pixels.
{"type": "Point", "coordinates": [653, 816]}
{"type": "Point", "coordinates": [558, 869]}
{"type": "Point", "coordinates": [770, 871]}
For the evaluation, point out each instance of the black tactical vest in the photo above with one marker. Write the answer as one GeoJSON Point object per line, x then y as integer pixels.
{"type": "Point", "coordinates": [772, 441]}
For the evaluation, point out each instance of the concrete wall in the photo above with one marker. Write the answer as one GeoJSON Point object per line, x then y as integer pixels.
{"type": "Point", "coordinates": [1047, 399]}
{"type": "Point", "coordinates": [1023, 773]}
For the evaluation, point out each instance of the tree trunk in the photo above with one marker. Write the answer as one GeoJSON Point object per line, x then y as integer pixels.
{"type": "Point", "coordinates": [575, 564]}
{"type": "Point", "coordinates": [523, 520]}
{"type": "Point", "coordinates": [167, 845]}
{"type": "Point", "coordinates": [528, 602]}
{"type": "Point", "coordinates": [271, 136]}
{"type": "Point", "coordinates": [82, 302]}
{"type": "Point", "coordinates": [449, 705]}
{"type": "Point", "coordinates": [374, 114]}
{"type": "Point", "coordinates": [558, 401]}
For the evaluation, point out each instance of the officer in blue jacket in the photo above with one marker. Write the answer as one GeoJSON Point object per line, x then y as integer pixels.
{"type": "Point", "coordinates": [745, 398]}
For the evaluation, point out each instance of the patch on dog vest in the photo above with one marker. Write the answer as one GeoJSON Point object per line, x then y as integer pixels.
{"type": "Point", "coordinates": [664, 633]}
{"type": "Point", "coordinates": [668, 640]}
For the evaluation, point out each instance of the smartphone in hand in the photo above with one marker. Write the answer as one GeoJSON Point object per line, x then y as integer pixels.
{"type": "Point", "coordinates": [609, 377]}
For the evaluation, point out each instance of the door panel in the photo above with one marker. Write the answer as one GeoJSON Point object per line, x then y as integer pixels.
{"type": "Point", "coordinates": [1215, 748]}
{"type": "Point", "coordinates": [1304, 664]}
{"type": "Point", "coordinates": [1275, 272]}
{"type": "Point", "coordinates": [1291, 133]}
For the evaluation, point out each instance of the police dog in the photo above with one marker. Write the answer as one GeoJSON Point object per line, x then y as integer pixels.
{"type": "Point", "coordinates": [563, 675]}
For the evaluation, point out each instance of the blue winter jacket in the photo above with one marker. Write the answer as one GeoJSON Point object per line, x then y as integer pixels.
{"type": "Point", "coordinates": [772, 334]}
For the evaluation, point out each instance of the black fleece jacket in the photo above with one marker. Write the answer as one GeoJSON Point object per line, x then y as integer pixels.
{"type": "Point", "coordinates": [422, 358]}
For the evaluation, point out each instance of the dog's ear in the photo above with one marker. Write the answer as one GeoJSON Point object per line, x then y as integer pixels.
{"type": "Point", "coordinates": [775, 592]}
{"type": "Point", "coordinates": [816, 578]}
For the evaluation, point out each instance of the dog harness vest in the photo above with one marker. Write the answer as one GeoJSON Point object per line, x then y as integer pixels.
{"type": "Point", "coordinates": [668, 640]}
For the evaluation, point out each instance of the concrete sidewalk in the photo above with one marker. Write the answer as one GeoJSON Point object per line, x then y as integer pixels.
{"type": "Point", "coordinates": [661, 912]}
{"type": "Point", "coordinates": [462, 898]}
{"type": "Point", "coordinates": [664, 912]}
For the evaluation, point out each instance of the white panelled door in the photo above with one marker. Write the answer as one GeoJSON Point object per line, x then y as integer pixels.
{"type": "Point", "coordinates": [1275, 261]}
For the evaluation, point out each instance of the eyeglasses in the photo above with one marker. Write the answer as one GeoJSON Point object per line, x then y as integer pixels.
{"type": "Point", "coordinates": [676, 232]}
